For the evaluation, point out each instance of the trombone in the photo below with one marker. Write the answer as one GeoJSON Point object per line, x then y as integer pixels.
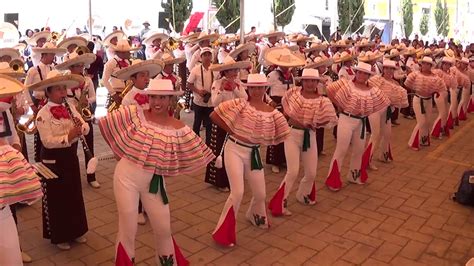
{"type": "Point", "coordinates": [114, 105]}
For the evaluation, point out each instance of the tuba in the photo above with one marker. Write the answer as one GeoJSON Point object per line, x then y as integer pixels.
{"type": "Point", "coordinates": [17, 65]}
{"type": "Point", "coordinates": [114, 105]}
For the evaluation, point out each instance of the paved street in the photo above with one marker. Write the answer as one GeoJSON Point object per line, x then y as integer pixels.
{"type": "Point", "coordinates": [403, 216]}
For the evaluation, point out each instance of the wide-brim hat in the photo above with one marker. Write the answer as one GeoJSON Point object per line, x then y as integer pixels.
{"type": "Point", "coordinates": [6, 69]}
{"type": "Point", "coordinates": [449, 53]}
{"type": "Point", "coordinates": [320, 61]}
{"type": "Point", "coordinates": [153, 36]}
{"type": "Point", "coordinates": [401, 47]}
{"type": "Point", "coordinates": [393, 53]}
{"type": "Point", "coordinates": [153, 66]}
{"type": "Point", "coordinates": [427, 59]}
{"type": "Point", "coordinates": [369, 56]}
{"type": "Point", "coordinates": [343, 57]}
{"type": "Point", "coordinates": [169, 59]}
{"type": "Point", "coordinates": [230, 63]}
{"type": "Point", "coordinates": [256, 80]}
{"type": "Point", "coordinates": [448, 59]}
{"type": "Point", "coordinates": [190, 38]}
{"type": "Point", "coordinates": [227, 38]}
{"type": "Point", "coordinates": [283, 56]}
{"type": "Point", "coordinates": [364, 67]}
{"type": "Point", "coordinates": [124, 46]}
{"type": "Point", "coordinates": [410, 51]}
{"type": "Point", "coordinates": [74, 59]}
{"type": "Point", "coordinates": [161, 87]}
{"type": "Point", "coordinates": [299, 38]}
{"type": "Point", "coordinates": [274, 34]}
{"type": "Point", "coordinates": [118, 34]}
{"type": "Point", "coordinates": [340, 44]}
{"type": "Point", "coordinates": [309, 73]}
{"type": "Point", "coordinates": [38, 35]}
{"type": "Point", "coordinates": [250, 47]}
{"type": "Point", "coordinates": [10, 86]}
{"type": "Point", "coordinates": [12, 52]}
{"type": "Point", "coordinates": [386, 47]}
{"type": "Point", "coordinates": [55, 78]}
{"type": "Point", "coordinates": [316, 46]}
{"type": "Point", "coordinates": [77, 40]}
{"type": "Point", "coordinates": [204, 36]}
{"type": "Point", "coordinates": [463, 60]}
{"type": "Point", "coordinates": [389, 63]}
{"type": "Point", "coordinates": [49, 48]}
{"type": "Point", "coordinates": [364, 43]}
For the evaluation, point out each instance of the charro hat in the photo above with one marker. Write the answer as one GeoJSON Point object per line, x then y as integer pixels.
{"type": "Point", "coordinates": [250, 47]}
{"type": "Point", "coordinates": [343, 57]}
{"type": "Point", "coordinates": [170, 59]}
{"type": "Point", "coordinates": [316, 46]}
{"type": "Point", "coordinates": [74, 59]}
{"type": "Point", "coordinates": [204, 36]}
{"type": "Point", "coordinates": [49, 48]}
{"type": "Point", "coordinates": [9, 86]}
{"type": "Point", "coordinates": [6, 69]}
{"type": "Point", "coordinates": [447, 59]}
{"type": "Point", "coordinates": [150, 37]}
{"type": "Point", "coordinates": [364, 43]}
{"type": "Point", "coordinates": [299, 38]}
{"type": "Point", "coordinates": [12, 52]}
{"type": "Point", "coordinates": [124, 46]}
{"type": "Point", "coordinates": [273, 33]}
{"type": "Point", "coordinates": [37, 36]}
{"type": "Point", "coordinates": [116, 34]}
{"type": "Point", "coordinates": [427, 59]}
{"type": "Point", "coordinates": [161, 87]}
{"type": "Point", "coordinates": [77, 40]}
{"type": "Point", "coordinates": [153, 66]}
{"type": "Point", "coordinates": [393, 53]}
{"type": "Point", "coordinates": [320, 61]}
{"type": "Point", "coordinates": [230, 63]}
{"type": "Point", "coordinates": [369, 56]}
{"type": "Point", "coordinates": [56, 78]}
{"type": "Point", "coordinates": [340, 44]}
{"type": "Point", "coordinates": [283, 56]}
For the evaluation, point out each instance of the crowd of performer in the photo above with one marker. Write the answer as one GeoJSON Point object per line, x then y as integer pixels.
{"type": "Point", "coordinates": [269, 91]}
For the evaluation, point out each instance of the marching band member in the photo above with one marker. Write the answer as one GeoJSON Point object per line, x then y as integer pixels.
{"type": "Point", "coordinates": [249, 124]}
{"type": "Point", "coordinates": [464, 84]}
{"type": "Point", "coordinates": [82, 96]}
{"type": "Point", "coordinates": [224, 43]}
{"type": "Point", "coordinates": [70, 44]}
{"type": "Point", "coordinates": [153, 45]}
{"type": "Point", "coordinates": [281, 80]}
{"type": "Point", "coordinates": [110, 41]}
{"type": "Point", "coordinates": [200, 82]}
{"type": "Point", "coordinates": [273, 38]}
{"type": "Point", "coordinates": [356, 100]}
{"type": "Point", "coordinates": [442, 123]}
{"type": "Point", "coordinates": [172, 149]}
{"type": "Point", "coordinates": [424, 83]}
{"type": "Point", "coordinates": [306, 110]}
{"type": "Point", "coordinates": [242, 54]}
{"type": "Point", "coordinates": [18, 180]}
{"type": "Point", "coordinates": [344, 62]}
{"type": "Point", "coordinates": [64, 214]}
{"type": "Point", "coordinates": [190, 47]}
{"type": "Point", "coordinates": [381, 126]}
{"type": "Point", "coordinates": [37, 41]}
{"type": "Point", "coordinates": [36, 74]}
{"type": "Point", "coordinates": [226, 88]}
{"type": "Point", "coordinates": [119, 61]}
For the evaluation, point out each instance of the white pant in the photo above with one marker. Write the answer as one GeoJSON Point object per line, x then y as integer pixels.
{"type": "Point", "coordinates": [442, 106]}
{"type": "Point", "coordinates": [130, 184]}
{"type": "Point", "coordinates": [10, 253]}
{"type": "Point", "coordinates": [237, 160]}
{"type": "Point", "coordinates": [348, 132]}
{"type": "Point", "coordinates": [379, 142]}
{"type": "Point", "coordinates": [453, 107]}
{"type": "Point", "coordinates": [465, 98]}
{"type": "Point", "coordinates": [421, 131]}
{"type": "Point", "coordinates": [293, 152]}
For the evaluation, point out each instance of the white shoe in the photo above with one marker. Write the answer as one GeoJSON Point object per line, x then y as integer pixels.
{"type": "Point", "coordinates": [223, 189]}
{"type": "Point", "coordinates": [373, 167]}
{"type": "Point", "coordinates": [141, 218]}
{"type": "Point", "coordinates": [187, 111]}
{"type": "Point", "coordinates": [81, 240]}
{"type": "Point", "coordinates": [275, 169]}
{"type": "Point", "coordinates": [286, 212]}
{"type": "Point", "coordinates": [94, 184]}
{"type": "Point", "coordinates": [25, 257]}
{"type": "Point", "coordinates": [64, 246]}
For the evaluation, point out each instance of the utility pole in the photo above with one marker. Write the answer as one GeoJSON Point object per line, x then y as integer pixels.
{"type": "Point", "coordinates": [242, 22]}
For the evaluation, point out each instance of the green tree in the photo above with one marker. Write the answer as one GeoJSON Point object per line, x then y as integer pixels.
{"type": "Point", "coordinates": [228, 13]}
{"type": "Point", "coordinates": [407, 14]}
{"type": "Point", "coordinates": [285, 17]}
{"type": "Point", "coordinates": [348, 10]}
{"type": "Point", "coordinates": [182, 10]}
{"type": "Point", "coordinates": [424, 24]}
{"type": "Point", "coordinates": [445, 26]}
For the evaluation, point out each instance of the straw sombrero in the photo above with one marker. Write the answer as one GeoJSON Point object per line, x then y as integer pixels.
{"type": "Point", "coordinates": [283, 56]}
{"type": "Point", "coordinates": [410, 51]}
{"type": "Point", "coordinates": [320, 61]}
{"type": "Point", "coordinates": [364, 43]}
{"type": "Point", "coordinates": [273, 33]}
{"type": "Point", "coordinates": [161, 87]}
{"type": "Point", "coordinates": [153, 66]}
{"type": "Point", "coordinates": [369, 56]}
{"type": "Point", "coordinates": [385, 48]}
{"type": "Point", "coordinates": [228, 38]}
{"type": "Point", "coordinates": [153, 36]}
{"type": "Point", "coordinates": [204, 36]}
{"type": "Point", "coordinates": [425, 52]}
{"type": "Point", "coordinates": [38, 35]}
{"type": "Point", "coordinates": [316, 46]}
{"type": "Point", "coordinates": [56, 78]}
{"type": "Point", "coordinates": [77, 40]}
{"type": "Point", "coordinates": [340, 44]}
{"type": "Point", "coordinates": [389, 63]}
{"type": "Point", "coordinates": [449, 53]}
{"type": "Point", "coordinates": [12, 52]}
{"type": "Point", "coordinates": [230, 63]}
{"type": "Point", "coordinates": [10, 86]}
{"type": "Point", "coordinates": [170, 59]}
{"type": "Point", "coordinates": [364, 67]}
{"type": "Point", "coordinates": [124, 46]}
{"type": "Point", "coordinates": [5, 69]}
{"type": "Point", "coordinates": [116, 34]}
{"type": "Point", "coordinates": [401, 47]}
{"type": "Point", "coordinates": [299, 38]}
{"type": "Point", "coordinates": [190, 38]}
{"type": "Point", "coordinates": [343, 57]}
{"type": "Point", "coordinates": [393, 53]}
{"type": "Point", "coordinates": [74, 59]}
{"type": "Point", "coordinates": [250, 47]}
{"type": "Point", "coordinates": [49, 48]}
{"type": "Point", "coordinates": [427, 59]}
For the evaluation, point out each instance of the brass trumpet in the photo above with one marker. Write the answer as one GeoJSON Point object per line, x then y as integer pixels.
{"type": "Point", "coordinates": [128, 86]}
{"type": "Point", "coordinates": [83, 108]}
{"type": "Point", "coordinates": [25, 128]}
{"type": "Point", "coordinates": [80, 50]}
{"type": "Point", "coordinates": [170, 45]}
{"type": "Point", "coordinates": [17, 65]}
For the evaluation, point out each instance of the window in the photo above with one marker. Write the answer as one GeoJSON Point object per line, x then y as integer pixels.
{"type": "Point", "coordinates": [425, 10]}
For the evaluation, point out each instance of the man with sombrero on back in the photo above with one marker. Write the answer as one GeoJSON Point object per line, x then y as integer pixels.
{"type": "Point", "coordinates": [281, 80]}
{"type": "Point", "coordinates": [119, 61]}
{"type": "Point", "coordinates": [272, 41]}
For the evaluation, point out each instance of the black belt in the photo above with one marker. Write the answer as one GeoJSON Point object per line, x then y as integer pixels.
{"type": "Point", "coordinates": [422, 105]}
{"type": "Point", "coordinates": [362, 118]}
{"type": "Point", "coordinates": [256, 160]}
{"type": "Point", "coordinates": [306, 138]}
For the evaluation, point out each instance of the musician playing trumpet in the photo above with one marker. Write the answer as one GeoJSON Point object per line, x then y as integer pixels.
{"type": "Point", "coordinates": [82, 97]}
{"type": "Point", "coordinates": [64, 214]}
